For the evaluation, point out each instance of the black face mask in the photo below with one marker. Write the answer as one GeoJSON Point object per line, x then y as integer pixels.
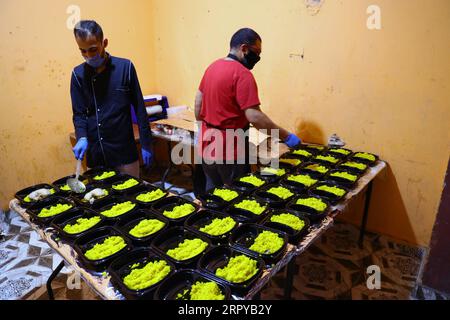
{"type": "Point", "coordinates": [250, 59]}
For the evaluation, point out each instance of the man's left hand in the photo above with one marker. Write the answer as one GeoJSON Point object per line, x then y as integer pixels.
{"type": "Point", "coordinates": [147, 157]}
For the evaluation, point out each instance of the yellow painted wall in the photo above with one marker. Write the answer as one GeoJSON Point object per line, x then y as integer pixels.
{"type": "Point", "coordinates": [37, 55]}
{"type": "Point", "coordinates": [383, 91]}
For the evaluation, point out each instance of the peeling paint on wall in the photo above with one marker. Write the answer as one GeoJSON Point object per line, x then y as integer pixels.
{"type": "Point", "coordinates": [313, 6]}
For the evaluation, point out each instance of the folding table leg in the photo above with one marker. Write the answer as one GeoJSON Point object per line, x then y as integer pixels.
{"type": "Point", "coordinates": [289, 279]}
{"type": "Point", "coordinates": [257, 296]}
{"type": "Point", "coordinates": [166, 173]}
{"type": "Point", "coordinates": [362, 230]}
{"type": "Point", "coordinates": [51, 278]}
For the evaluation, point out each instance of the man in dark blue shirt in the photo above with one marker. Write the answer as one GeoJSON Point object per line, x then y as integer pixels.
{"type": "Point", "coordinates": [102, 90]}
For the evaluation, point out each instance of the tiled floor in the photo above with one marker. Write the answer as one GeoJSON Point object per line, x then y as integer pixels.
{"type": "Point", "coordinates": [333, 268]}
{"type": "Point", "coordinates": [25, 260]}
{"type": "Point", "coordinates": [336, 268]}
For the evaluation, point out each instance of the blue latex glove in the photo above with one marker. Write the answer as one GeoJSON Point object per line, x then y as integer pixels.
{"type": "Point", "coordinates": [80, 148]}
{"type": "Point", "coordinates": [147, 157]}
{"type": "Point", "coordinates": [292, 140]}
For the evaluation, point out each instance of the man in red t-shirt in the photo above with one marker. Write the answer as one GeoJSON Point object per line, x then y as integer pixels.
{"type": "Point", "coordinates": [227, 98]}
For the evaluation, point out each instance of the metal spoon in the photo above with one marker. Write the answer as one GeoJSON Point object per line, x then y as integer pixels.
{"type": "Point", "coordinates": [74, 184]}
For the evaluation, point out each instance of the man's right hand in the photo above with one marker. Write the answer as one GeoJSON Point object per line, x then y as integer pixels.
{"type": "Point", "coordinates": [80, 148]}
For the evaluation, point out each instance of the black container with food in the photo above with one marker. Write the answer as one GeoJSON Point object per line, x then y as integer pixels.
{"type": "Point", "coordinates": [176, 209]}
{"type": "Point", "coordinates": [184, 285]}
{"type": "Point", "coordinates": [24, 195]}
{"type": "Point", "coordinates": [220, 197]}
{"type": "Point", "coordinates": [177, 243]}
{"type": "Point", "coordinates": [216, 226]}
{"type": "Point", "coordinates": [115, 208]}
{"type": "Point", "coordinates": [43, 212]}
{"type": "Point", "coordinates": [274, 195]}
{"type": "Point", "coordinates": [142, 226]}
{"type": "Point", "coordinates": [111, 243]}
{"type": "Point", "coordinates": [127, 275]}
{"type": "Point", "coordinates": [147, 194]}
{"type": "Point", "coordinates": [329, 191]}
{"type": "Point", "coordinates": [259, 240]}
{"type": "Point", "coordinates": [284, 220]}
{"type": "Point", "coordinates": [216, 263]}
{"type": "Point", "coordinates": [314, 207]}
{"type": "Point", "coordinates": [243, 210]}
{"type": "Point", "coordinates": [70, 227]}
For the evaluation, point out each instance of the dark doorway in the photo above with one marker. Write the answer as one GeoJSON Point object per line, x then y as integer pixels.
{"type": "Point", "coordinates": [436, 274]}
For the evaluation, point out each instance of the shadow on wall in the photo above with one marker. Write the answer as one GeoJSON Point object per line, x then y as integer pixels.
{"type": "Point", "coordinates": [310, 132]}
{"type": "Point", "coordinates": [392, 220]}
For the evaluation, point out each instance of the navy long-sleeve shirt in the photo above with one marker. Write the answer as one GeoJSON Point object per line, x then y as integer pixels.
{"type": "Point", "coordinates": [101, 112]}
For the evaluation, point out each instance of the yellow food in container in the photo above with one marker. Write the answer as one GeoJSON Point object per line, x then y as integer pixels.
{"type": "Point", "coordinates": [255, 181]}
{"type": "Point", "coordinates": [312, 202]}
{"type": "Point", "coordinates": [239, 269]}
{"type": "Point", "coordinates": [81, 224]}
{"type": "Point", "coordinates": [118, 209]}
{"type": "Point", "coordinates": [105, 175]}
{"type": "Point", "coordinates": [303, 179]}
{"type": "Point", "coordinates": [357, 165]}
{"type": "Point", "coordinates": [126, 184]}
{"type": "Point", "coordinates": [108, 247]}
{"type": "Point", "coordinates": [292, 162]}
{"type": "Point", "coordinates": [317, 168]}
{"type": "Point", "coordinates": [179, 211]}
{"type": "Point", "coordinates": [146, 227]}
{"type": "Point", "coordinates": [288, 219]}
{"type": "Point", "coordinates": [218, 226]}
{"type": "Point", "coordinates": [267, 242]}
{"type": "Point", "coordinates": [225, 194]}
{"type": "Point", "coordinates": [150, 196]}
{"type": "Point", "coordinates": [54, 210]}
{"type": "Point", "coordinates": [278, 172]}
{"type": "Point", "coordinates": [188, 249]}
{"type": "Point", "coordinates": [334, 190]}
{"type": "Point", "coordinates": [365, 155]}
{"type": "Point", "coordinates": [280, 192]}
{"type": "Point", "coordinates": [251, 205]}
{"type": "Point", "coordinates": [145, 277]}
{"type": "Point", "coordinates": [302, 152]}
{"type": "Point", "coordinates": [344, 175]}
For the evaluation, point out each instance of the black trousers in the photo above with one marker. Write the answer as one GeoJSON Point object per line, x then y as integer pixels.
{"type": "Point", "coordinates": [218, 175]}
{"type": "Point", "coordinates": [199, 180]}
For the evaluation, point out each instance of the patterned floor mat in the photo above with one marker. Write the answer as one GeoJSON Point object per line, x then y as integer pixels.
{"type": "Point", "coordinates": [336, 268]}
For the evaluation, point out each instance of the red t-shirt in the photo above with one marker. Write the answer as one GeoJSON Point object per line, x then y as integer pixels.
{"type": "Point", "coordinates": [228, 88]}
